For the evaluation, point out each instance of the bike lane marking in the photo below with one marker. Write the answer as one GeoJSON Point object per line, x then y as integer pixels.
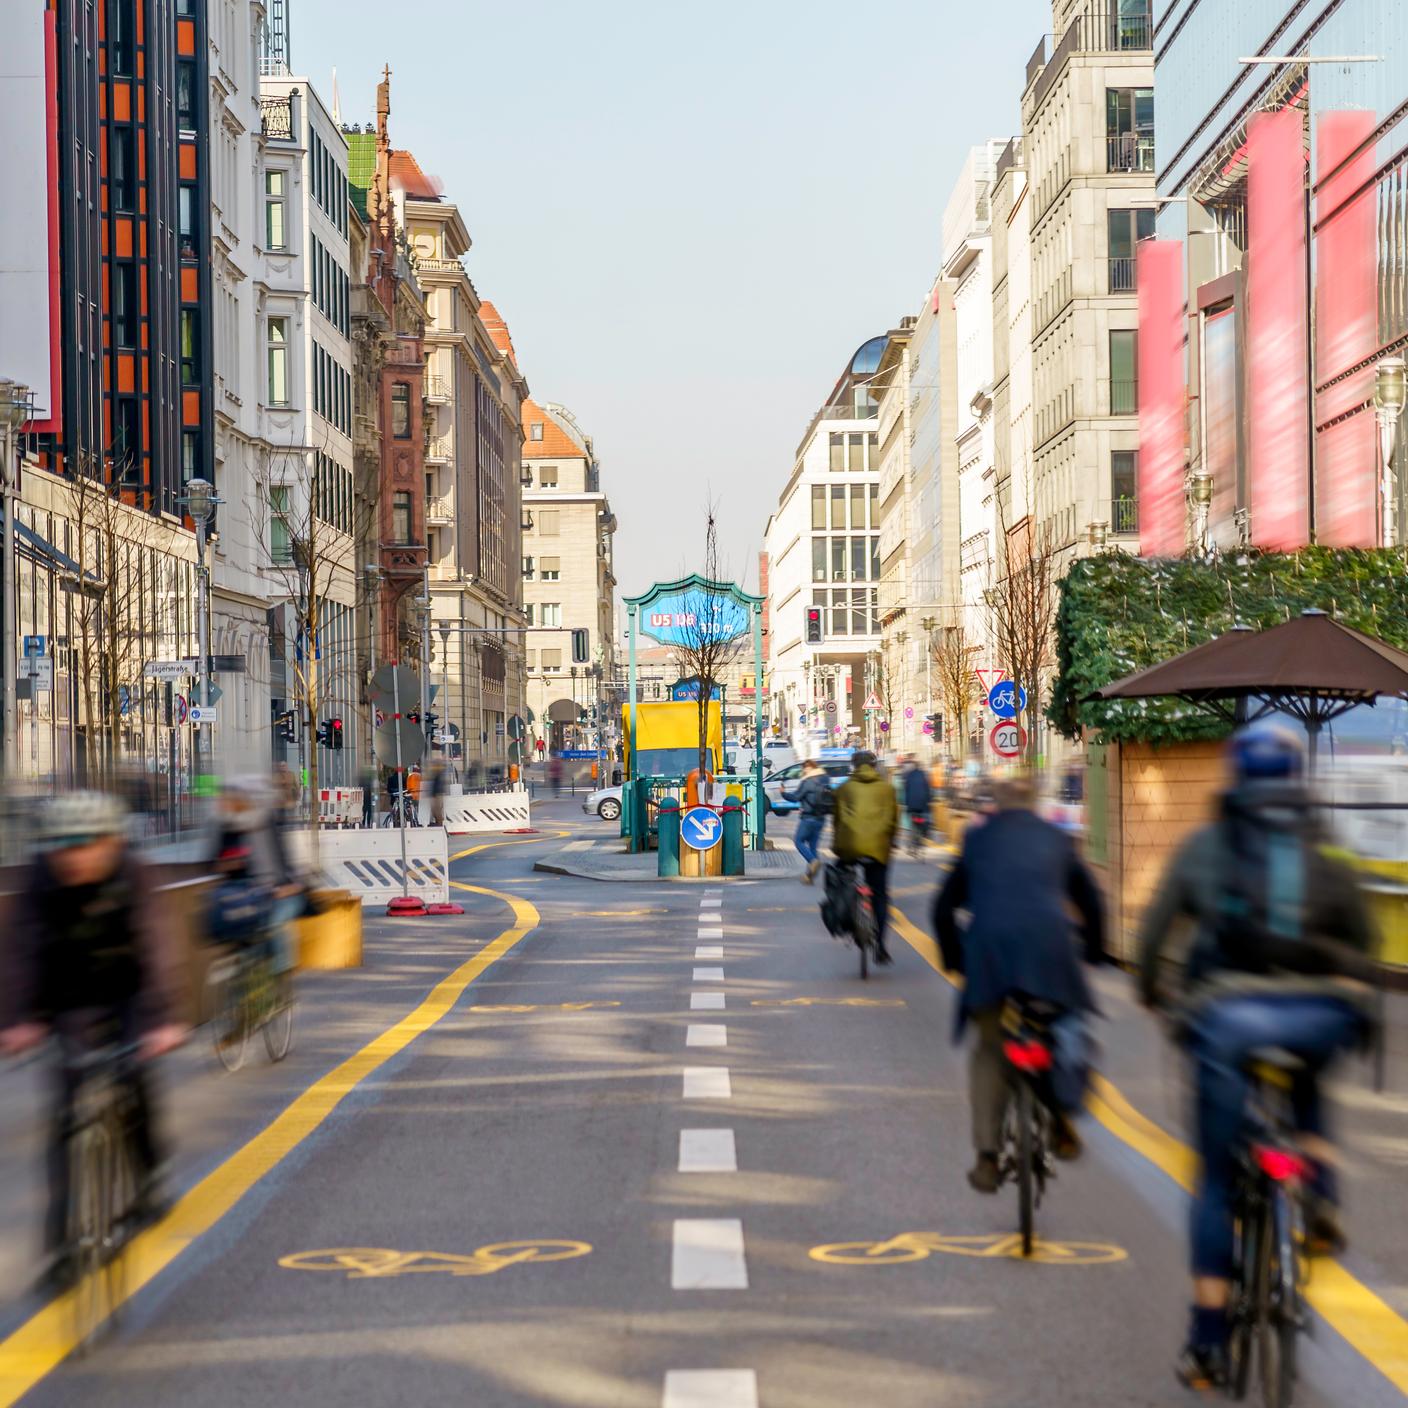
{"type": "Point", "coordinates": [1363, 1319]}
{"type": "Point", "coordinates": [710, 1388]}
{"type": "Point", "coordinates": [706, 1002]}
{"type": "Point", "coordinates": [708, 1255]}
{"type": "Point", "coordinates": [707, 951]}
{"type": "Point", "coordinates": [706, 1034]}
{"type": "Point", "coordinates": [707, 1083]}
{"type": "Point", "coordinates": [46, 1339]}
{"type": "Point", "coordinates": [708, 1151]}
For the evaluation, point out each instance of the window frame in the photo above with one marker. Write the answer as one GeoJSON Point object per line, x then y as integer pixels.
{"type": "Point", "coordinates": [277, 353]}
{"type": "Point", "coordinates": [400, 410]}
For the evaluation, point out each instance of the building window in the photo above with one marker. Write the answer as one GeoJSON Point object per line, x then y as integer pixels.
{"type": "Point", "coordinates": [186, 9]}
{"type": "Point", "coordinates": [122, 37]}
{"type": "Point", "coordinates": [1125, 229]}
{"type": "Point", "coordinates": [401, 516]}
{"type": "Point", "coordinates": [124, 304]}
{"type": "Point", "coordinates": [859, 559]}
{"type": "Point", "coordinates": [278, 361]}
{"type": "Point", "coordinates": [528, 609]}
{"type": "Point", "coordinates": [552, 661]}
{"type": "Point", "coordinates": [401, 410]}
{"type": "Point", "coordinates": [819, 506]}
{"type": "Point", "coordinates": [190, 455]}
{"type": "Point", "coordinates": [527, 569]}
{"type": "Point", "coordinates": [838, 453]}
{"type": "Point", "coordinates": [190, 347]}
{"type": "Point", "coordinates": [1129, 129]}
{"type": "Point", "coordinates": [548, 522]}
{"type": "Point", "coordinates": [856, 454]}
{"type": "Point", "coordinates": [187, 221]}
{"type": "Point", "coordinates": [838, 559]}
{"type": "Point", "coordinates": [275, 210]}
{"type": "Point", "coordinates": [818, 559]}
{"type": "Point", "coordinates": [535, 430]}
{"type": "Point", "coordinates": [1124, 491]}
{"type": "Point", "coordinates": [874, 505]}
{"type": "Point", "coordinates": [125, 449]}
{"type": "Point", "coordinates": [857, 505]}
{"type": "Point", "coordinates": [280, 537]}
{"type": "Point", "coordinates": [122, 169]}
{"type": "Point", "coordinates": [838, 506]}
{"type": "Point", "coordinates": [552, 613]}
{"type": "Point", "coordinates": [552, 569]}
{"type": "Point", "coordinates": [547, 477]}
{"type": "Point", "coordinates": [873, 453]}
{"type": "Point", "coordinates": [875, 559]}
{"type": "Point", "coordinates": [186, 95]}
{"type": "Point", "coordinates": [1124, 373]}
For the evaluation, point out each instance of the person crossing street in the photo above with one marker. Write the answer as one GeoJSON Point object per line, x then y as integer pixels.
{"type": "Point", "coordinates": [817, 802]}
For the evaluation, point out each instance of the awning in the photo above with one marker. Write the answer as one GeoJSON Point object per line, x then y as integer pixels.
{"type": "Point", "coordinates": [41, 550]}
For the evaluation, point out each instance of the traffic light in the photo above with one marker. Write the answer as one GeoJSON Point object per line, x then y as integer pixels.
{"type": "Point", "coordinates": [813, 625]}
{"type": "Point", "coordinates": [286, 726]}
{"type": "Point", "coordinates": [581, 646]}
{"type": "Point", "coordinates": [431, 722]}
{"type": "Point", "coordinates": [335, 734]}
{"type": "Point", "coordinates": [324, 734]}
{"type": "Point", "coordinates": [936, 722]}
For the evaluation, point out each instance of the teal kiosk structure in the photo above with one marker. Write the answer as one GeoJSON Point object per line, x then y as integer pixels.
{"type": "Point", "coordinates": [675, 614]}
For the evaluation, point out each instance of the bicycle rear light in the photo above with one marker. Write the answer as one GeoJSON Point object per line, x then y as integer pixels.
{"type": "Point", "coordinates": [1029, 1056]}
{"type": "Point", "coordinates": [1280, 1165]}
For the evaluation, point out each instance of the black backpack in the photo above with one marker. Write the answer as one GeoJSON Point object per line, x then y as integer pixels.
{"type": "Point", "coordinates": [1266, 887]}
{"type": "Point", "coordinates": [838, 899]}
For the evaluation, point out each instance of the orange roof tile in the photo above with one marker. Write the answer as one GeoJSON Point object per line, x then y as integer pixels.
{"type": "Point", "coordinates": [406, 175]}
{"type": "Point", "coordinates": [497, 329]}
{"type": "Point", "coordinates": [556, 443]}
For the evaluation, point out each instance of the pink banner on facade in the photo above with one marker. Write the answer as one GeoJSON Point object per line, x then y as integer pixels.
{"type": "Point", "coordinates": [1163, 399]}
{"type": "Point", "coordinates": [1278, 381]}
{"type": "Point", "coordinates": [1346, 328]}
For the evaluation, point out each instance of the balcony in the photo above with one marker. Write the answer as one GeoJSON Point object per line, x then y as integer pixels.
{"type": "Point", "coordinates": [1124, 398]}
{"type": "Point", "coordinates": [439, 449]}
{"type": "Point", "coordinates": [866, 412]}
{"type": "Point", "coordinates": [439, 511]}
{"type": "Point", "coordinates": [426, 265]}
{"type": "Point", "coordinates": [1124, 518]}
{"type": "Point", "coordinates": [1121, 275]}
{"type": "Point", "coordinates": [1098, 31]}
{"type": "Point", "coordinates": [1130, 151]}
{"type": "Point", "coordinates": [276, 119]}
{"type": "Point", "coordinates": [437, 390]}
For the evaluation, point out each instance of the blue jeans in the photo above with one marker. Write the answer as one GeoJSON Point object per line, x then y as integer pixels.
{"type": "Point", "coordinates": [809, 831]}
{"type": "Point", "coordinates": [1315, 1028]}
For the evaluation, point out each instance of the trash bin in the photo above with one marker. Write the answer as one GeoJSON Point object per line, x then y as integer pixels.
{"type": "Point", "coordinates": [668, 855]}
{"type": "Point", "coordinates": [733, 840]}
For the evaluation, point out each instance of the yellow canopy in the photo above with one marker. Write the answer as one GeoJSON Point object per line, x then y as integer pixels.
{"type": "Point", "coordinates": [667, 736]}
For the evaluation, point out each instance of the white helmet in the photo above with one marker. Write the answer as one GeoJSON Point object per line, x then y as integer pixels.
{"type": "Point", "coordinates": [71, 816]}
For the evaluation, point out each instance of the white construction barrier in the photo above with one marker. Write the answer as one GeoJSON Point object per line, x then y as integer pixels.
{"type": "Point", "coordinates": [468, 812]}
{"type": "Point", "coordinates": [368, 862]}
{"type": "Point", "coordinates": [340, 806]}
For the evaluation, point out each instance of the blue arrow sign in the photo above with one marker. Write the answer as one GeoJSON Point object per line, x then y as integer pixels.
{"type": "Point", "coordinates": [701, 828]}
{"type": "Point", "coordinates": [1005, 699]}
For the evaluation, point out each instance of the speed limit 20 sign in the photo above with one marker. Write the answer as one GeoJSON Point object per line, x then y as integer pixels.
{"type": "Point", "coordinates": [1008, 739]}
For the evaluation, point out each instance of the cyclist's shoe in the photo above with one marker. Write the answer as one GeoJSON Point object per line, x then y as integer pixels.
{"type": "Point", "coordinates": [1065, 1142]}
{"type": "Point", "coordinates": [59, 1275]}
{"type": "Point", "coordinates": [883, 955]}
{"type": "Point", "coordinates": [1202, 1367]}
{"type": "Point", "coordinates": [812, 870]}
{"type": "Point", "coordinates": [1324, 1233]}
{"type": "Point", "coordinates": [984, 1176]}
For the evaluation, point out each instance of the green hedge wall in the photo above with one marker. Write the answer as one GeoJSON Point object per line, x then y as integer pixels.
{"type": "Point", "coordinates": [1118, 614]}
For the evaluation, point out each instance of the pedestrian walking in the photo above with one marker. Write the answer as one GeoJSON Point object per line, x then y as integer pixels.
{"type": "Point", "coordinates": [369, 793]}
{"type": "Point", "coordinates": [439, 786]}
{"type": "Point", "coordinates": [817, 802]}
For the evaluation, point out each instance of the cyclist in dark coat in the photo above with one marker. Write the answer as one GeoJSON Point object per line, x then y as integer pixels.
{"type": "Point", "coordinates": [1017, 877]}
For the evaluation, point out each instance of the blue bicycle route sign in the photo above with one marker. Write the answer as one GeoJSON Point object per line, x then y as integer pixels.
{"type": "Point", "coordinates": [701, 828]}
{"type": "Point", "coordinates": [1005, 699]}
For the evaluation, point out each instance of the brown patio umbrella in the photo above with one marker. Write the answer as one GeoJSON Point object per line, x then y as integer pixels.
{"type": "Point", "coordinates": [1311, 666]}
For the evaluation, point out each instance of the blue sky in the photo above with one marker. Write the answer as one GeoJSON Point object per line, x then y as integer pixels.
{"type": "Point", "coordinates": [690, 216]}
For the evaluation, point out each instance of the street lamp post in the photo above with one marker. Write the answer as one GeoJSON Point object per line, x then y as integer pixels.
{"type": "Point", "coordinates": [422, 605]}
{"type": "Point", "coordinates": [927, 624]}
{"type": "Point", "coordinates": [371, 574]}
{"type": "Point", "coordinates": [14, 412]}
{"type": "Point", "coordinates": [1390, 392]}
{"type": "Point", "coordinates": [200, 501]}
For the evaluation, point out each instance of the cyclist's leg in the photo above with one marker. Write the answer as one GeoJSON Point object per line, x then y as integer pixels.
{"type": "Point", "coordinates": [877, 877]}
{"type": "Point", "coordinates": [987, 1096]}
{"type": "Point", "coordinates": [63, 1090]}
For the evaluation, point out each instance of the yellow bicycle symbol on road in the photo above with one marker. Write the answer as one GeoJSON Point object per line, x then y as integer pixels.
{"type": "Point", "coordinates": [828, 1002]}
{"type": "Point", "coordinates": [915, 1246]}
{"type": "Point", "coordinates": [378, 1263]}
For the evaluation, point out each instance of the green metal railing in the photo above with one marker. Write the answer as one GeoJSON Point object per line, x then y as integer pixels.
{"type": "Point", "coordinates": [641, 798]}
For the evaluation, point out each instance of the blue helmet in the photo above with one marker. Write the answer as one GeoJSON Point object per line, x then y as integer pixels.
{"type": "Point", "coordinates": [1268, 749]}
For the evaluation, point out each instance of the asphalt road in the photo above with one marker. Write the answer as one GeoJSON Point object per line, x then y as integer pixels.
{"type": "Point", "coordinates": [617, 1167]}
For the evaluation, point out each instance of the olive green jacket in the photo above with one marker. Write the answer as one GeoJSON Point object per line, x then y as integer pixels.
{"type": "Point", "coordinates": [867, 816]}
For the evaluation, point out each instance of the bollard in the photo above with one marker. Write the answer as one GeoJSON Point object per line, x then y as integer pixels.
{"type": "Point", "coordinates": [733, 840]}
{"type": "Point", "coordinates": [669, 830]}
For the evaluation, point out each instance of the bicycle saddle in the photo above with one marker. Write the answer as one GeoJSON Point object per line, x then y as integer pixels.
{"type": "Point", "coordinates": [1275, 1058]}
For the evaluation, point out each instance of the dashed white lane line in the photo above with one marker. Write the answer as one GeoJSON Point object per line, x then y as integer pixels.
{"type": "Point", "coordinates": [707, 1083]}
{"type": "Point", "coordinates": [708, 1151]}
{"type": "Point", "coordinates": [706, 1002]}
{"type": "Point", "coordinates": [711, 1388]}
{"type": "Point", "coordinates": [712, 890]}
{"type": "Point", "coordinates": [709, 950]}
{"type": "Point", "coordinates": [706, 1034]}
{"type": "Point", "coordinates": [708, 1255]}
{"type": "Point", "coordinates": [708, 975]}
{"type": "Point", "coordinates": [707, 903]}
{"type": "Point", "coordinates": [704, 933]}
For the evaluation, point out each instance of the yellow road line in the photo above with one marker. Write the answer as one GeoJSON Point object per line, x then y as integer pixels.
{"type": "Point", "coordinates": [46, 1339]}
{"type": "Point", "coordinates": [517, 841]}
{"type": "Point", "coordinates": [1362, 1318]}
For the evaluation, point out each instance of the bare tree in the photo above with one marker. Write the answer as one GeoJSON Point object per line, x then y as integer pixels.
{"type": "Point", "coordinates": [951, 654]}
{"type": "Point", "coordinates": [1023, 605]}
{"type": "Point", "coordinates": [709, 642]}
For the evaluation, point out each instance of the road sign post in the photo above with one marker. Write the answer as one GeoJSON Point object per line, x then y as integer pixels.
{"type": "Point", "coordinates": [1008, 739]}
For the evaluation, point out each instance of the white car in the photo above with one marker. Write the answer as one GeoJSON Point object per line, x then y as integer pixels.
{"type": "Point", "coordinates": [605, 802]}
{"type": "Point", "coordinates": [780, 785]}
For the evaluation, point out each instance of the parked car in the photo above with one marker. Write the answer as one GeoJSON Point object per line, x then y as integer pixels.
{"type": "Point", "coordinates": [779, 786]}
{"type": "Point", "coordinates": [777, 753]}
{"type": "Point", "coordinates": [605, 802]}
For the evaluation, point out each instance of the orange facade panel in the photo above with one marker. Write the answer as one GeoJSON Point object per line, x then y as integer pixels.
{"type": "Point", "coordinates": [186, 37]}
{"type": "Point", "coordinates": [122, 230]}
{"type": "Point", "coordinates": [190, 408]}
{"type": "Point", "coordinates": [188, 161]}
{"type": "Point", "coordinates": [190, 285]}
{"type": "Point", "coordinates": [126, 372]}
{"type": "Point", "coordinates": [122, 102]}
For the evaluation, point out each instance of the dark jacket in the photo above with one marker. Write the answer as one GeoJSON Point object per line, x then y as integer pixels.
{"type": "Point", "coordinates": [1306, 930]}
{"type": "Point", "coordinates": [867, 816]}
{"type": "Point", "coordinates": [1016, 877]}
{"type": "Point", "coordinates": [917, 792]}
{"type": "Point", "coordinates": [814, 797]}
{"type": "Point", "coordinates": [69, 954]}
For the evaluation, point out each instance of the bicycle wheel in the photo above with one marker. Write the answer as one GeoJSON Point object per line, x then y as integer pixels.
{"type": "Point", "coordinates": [89, 1229]}
{"type": "Point", "coordinates": [865, 934]}
{"type": "Point", "coordinates": [1242, 1302]}
{"type": "Point", "coordinates": [228, 1014]}
{"type": "Point", "coordinates": [1277, 1314]}
{"type": "Point", "coordinates": [278, 1025]}
{"type": "Point", "coordinates": [1026, 1166]}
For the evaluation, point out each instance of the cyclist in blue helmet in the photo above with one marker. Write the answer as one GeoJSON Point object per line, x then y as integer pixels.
{"type": "Point", "coordinates": [1278, 925]}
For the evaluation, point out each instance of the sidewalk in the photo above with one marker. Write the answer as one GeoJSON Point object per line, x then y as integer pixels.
{"type": "Point", "coordinates": [605, 860]}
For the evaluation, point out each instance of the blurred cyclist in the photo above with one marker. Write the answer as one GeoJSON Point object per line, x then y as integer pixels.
{"type": "Point", "coordinates": [1279, 927]}
{"type": "Point", "coordinates": [250, 847]}
{"type": "Point", "coordinates": [867, 817]}
{"type": "Point", "coordinates": [918, 797]}
{"type": "Point", "coordinates": [91, 957]}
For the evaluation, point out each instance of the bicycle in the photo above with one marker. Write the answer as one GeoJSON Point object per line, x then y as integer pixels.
{"type": "Point", "coordinates": [865, 924]}
{"type": "Point", "coordinates": [244, 994]}
{"type": "Point", "coordinates": [1027, 1120]}
{"type": "Point", "coordinates": [102, 1183]}
{"type": "Point", "coordinates": [918, 834]}
{"type": "Point", "coordinates": [403, 808]}
{"type": "Point", "coordinates": [1265, 1306]}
